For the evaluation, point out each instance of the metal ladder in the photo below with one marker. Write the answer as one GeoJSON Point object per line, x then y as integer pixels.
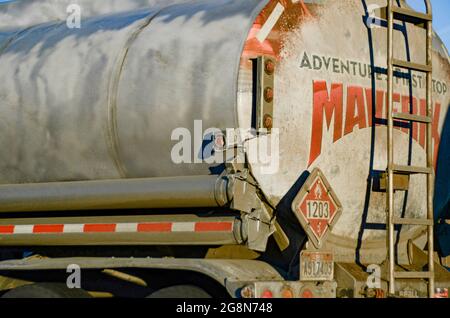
{"type": "Point", "coordinates": [394, 12]}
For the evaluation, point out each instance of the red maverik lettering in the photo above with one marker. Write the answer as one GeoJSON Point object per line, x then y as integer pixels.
{"type": "Point", "coordinates": [355, 102]}
{"type": "Point", "coordinates": [358, 113]}
{"type": "Point", "coordinates": [323, 103]}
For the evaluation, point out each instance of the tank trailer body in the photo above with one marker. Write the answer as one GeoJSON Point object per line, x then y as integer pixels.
{"type": "Point", "coordinates": [217, 148]}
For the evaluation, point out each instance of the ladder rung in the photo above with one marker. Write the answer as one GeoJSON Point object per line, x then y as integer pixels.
{"type": "Point", "coordinates": [411, 16]}
{"type": "Point", "coordinates": [417, 18]}
{"type": "Point", "coordinates": [409, 221]}
{"type": "Point", "coordinates": [413, 118]}
{"type": "Point", "coordinates": [412, 169]}
{"type": "Point", "coordinates": [412, 275]}
{"type": "Point", "coordinates": [412, 66]}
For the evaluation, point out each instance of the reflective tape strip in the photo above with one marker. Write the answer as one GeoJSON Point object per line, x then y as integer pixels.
{"type": "Point", "coordinates": [73, 228]}
{"type": "Point", "coordinates": [6, 229]}
{"type": "Point", "coordinates": [126, 227]}
{"type": "Point", "coordinates": [23, 229]}
{"type": "Point", "coordinates": [99, 228]}
{"type": "Point", "coordinates": [48, 228]}
{"type": "Point", "coordinates": [213, 227]}
{"type": "Point", "coordinates": [183, 227]}
{"type": "Point", "coordinates": [154, 227]}
{"type": "Point", "coordinates": [151, 227]}
{"type": "Point", "coordinates": [270, 23]}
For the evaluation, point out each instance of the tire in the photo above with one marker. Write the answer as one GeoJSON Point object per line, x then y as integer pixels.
{"type": "Point", "coordinates": [46, 290]}
{"type": "Point", "coordinates": [180, 291]}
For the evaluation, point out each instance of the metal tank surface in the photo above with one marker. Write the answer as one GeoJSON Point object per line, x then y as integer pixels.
{"type": "Point", "coordinates": [330, 108]}
{"type": "Point", "coordinates": [102, 102]}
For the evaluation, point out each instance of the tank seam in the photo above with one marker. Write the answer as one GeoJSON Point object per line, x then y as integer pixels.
{"type": "Point", "coordinates": [112, 135]}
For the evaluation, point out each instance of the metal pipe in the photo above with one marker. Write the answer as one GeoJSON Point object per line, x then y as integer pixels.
{"type": "Point", "coordinates": [171, 192]}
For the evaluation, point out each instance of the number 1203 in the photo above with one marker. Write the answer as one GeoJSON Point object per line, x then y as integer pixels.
{"type": "Point", "coordinates": [318, 209]}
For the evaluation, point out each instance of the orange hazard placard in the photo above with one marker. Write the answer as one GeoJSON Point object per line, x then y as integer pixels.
{"type": "Point", "coordinates": [316, 207]}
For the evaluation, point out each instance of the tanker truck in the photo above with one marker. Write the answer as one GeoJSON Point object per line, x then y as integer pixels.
{"type": "Point", "coordinates": [226, 148]}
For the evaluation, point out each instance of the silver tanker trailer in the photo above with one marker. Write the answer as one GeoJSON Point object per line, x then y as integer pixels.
{"type": "Point", "coordinates": [225, 148]}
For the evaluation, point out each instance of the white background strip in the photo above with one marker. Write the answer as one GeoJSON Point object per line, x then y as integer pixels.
{"type": "Point", "coordinates": [23, 229]}
{"type": "Point", "coordinates": [73, 228]}
{"type": "Point", "coordinates": [126, 227]}
{"type": "Point", "coordinates": [183, 227]}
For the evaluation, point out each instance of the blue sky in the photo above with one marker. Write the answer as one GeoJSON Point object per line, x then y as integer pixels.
{"type": "Point", "coordinates": [441, 17]}
{"type": "Point", "coordinates": [441, 11]}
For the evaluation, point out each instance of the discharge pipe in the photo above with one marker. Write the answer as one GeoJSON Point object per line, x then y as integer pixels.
{"type": "Point", "coordinates": [146, 193]}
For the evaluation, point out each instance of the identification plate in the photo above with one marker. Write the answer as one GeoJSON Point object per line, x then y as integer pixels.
{"type": "Point", "coordinates": [317, 208]}
{"type": "Point", "coordinates": [316, 266]}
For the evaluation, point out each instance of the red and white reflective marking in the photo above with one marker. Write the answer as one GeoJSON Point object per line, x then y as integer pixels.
{"type": "Point", "coordinates": [150, 227]}
{"type": "Point", "coordinates": [270, 23]}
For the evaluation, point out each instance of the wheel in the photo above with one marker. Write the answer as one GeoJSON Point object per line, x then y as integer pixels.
{"type": "Point", "coordinates": [46, 290]}
{"type": "Point", "coordinates": [180, 291]}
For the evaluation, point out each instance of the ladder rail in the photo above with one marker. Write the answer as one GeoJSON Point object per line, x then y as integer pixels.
{"type": "Point", "coordinates": [390, 154]}
{"type": "Point", "coordinates": [428, 7]}
{"type": "Point", "coordinates": [391, 220]}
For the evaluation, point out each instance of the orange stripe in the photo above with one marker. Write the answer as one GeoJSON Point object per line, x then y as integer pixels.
{"type": "Point", "coordinates": [48, 228]}
{"type": "Point", "coordinates": [6, 229]}
{"type": "Point", "coordinates": [213, 226]}
{"type": "Point", "coordinates": [99, 228]}
{"type": "Point", "coordinates": [154, 227]}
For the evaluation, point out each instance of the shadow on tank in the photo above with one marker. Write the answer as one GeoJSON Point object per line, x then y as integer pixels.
{"type": "Point", "coordinates": [49, 34]}
{"type": "Point", "coordinates": [373, 178]}
{"type": "Point", "coordinates": [287, 262]}
{"type": "Point", "coordinates": [442, 191]}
